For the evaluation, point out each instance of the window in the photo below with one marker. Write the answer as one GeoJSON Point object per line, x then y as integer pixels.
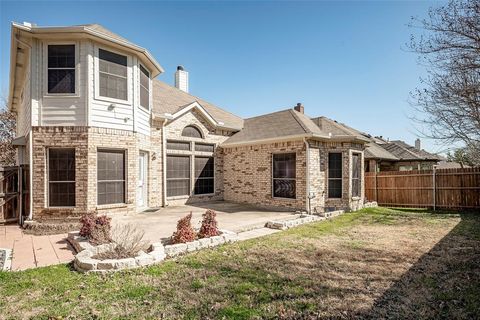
{"type": "Point", "coordinates": [191, 131]}
{"type": "Point", "coordinates": [204, 175]}
{"type": "Point", "coordinates": [178, 145]}
{"type": "Point", "coordinates": [110, 177]}
{"type": "Point", "coordinates": [284, 173]}
{"type": "Point", "coordinates": [204, 147]}
{"type": "Point", "coordinates": [112, 74]}
{"type": "Point", "coordinates": [178, 176]}
{"type": "Point", "coordinates": [61, 177]}
{"type": "Point", "coordinates": [61, 69]}
{"type": "Point", "coordinates": [356, 175]}
{"type": "Point", "coordinates": [334, 175]}
{"type": "Point", "coordinates": [144, 88]}
{"type": "Point", "coordinates": [405, 168]}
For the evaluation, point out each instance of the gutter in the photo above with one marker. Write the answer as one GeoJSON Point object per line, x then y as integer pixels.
{"type": "Point", "coordinates": [277, 139]}
{"type": "Point", "coordinates": [164, 165]}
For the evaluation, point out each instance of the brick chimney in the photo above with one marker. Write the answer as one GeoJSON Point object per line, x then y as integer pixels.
{"type": "Point", "coordinates": [418, 145]}
{"type": "Point", "coordinates": [181, 79]}
{"type": "Point", "coordinates": [299, 107]}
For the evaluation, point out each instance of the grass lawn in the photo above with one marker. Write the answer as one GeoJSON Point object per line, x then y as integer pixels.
{"type": "Point", "coordinates": [373, 263]}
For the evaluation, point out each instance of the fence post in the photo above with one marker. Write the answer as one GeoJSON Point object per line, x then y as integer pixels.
{"type": "Point", "coordinates": [434, 187]}
{"type": "Point", "coordinates": [376, 186]}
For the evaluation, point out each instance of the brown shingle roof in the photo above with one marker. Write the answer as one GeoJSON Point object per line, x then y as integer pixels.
{"type": "Point", "coordinates": [168, 99]}
{"type": "Point", "coordinates": [375, 151]}
{"type": "Point", "coordinates": [285, 123]}
{"type": "Point", "coordinates": [404, 151]}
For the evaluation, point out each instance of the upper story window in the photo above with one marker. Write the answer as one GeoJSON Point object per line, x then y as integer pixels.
{"type": "Point", "coordinates": [191, 131]}
{"type": "Point", "coordinates": [113, 75]}
{"type": "Point", "coordinates": [61, 68]}
{"type": "Point", "coordinates": [144, 88]}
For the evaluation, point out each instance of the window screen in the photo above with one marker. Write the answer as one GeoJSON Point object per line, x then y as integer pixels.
{"type": "Point", "coordinates": [284, 173]}
{"type": "Point", "coordinates": [191, 131]}
{"type": "Point", "coordinates": [61, 68]}
{"type": "Point", "coordinates": [112, 74]}
{"type": "Point", "coordinates": [178, 145]}
{"type": "Point", "coordinates": [334, 175]}
{"type": "Point", "coordinates": [204, 147]}
{"type": "Point", "coordinates": [110, 177]}
{"type": "Point", "coordinates": [204, 175]}
{"type": "Point", "coordinates": [61, 177]}
{"type": "Point", "coordinates": [178, 176]}
{"type": "Point", "coordinates": [356, 175]}
{"type": "Point", "coordinates": [144, 88]}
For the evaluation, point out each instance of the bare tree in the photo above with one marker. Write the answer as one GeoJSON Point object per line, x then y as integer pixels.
{"type": "Point", "coordinates": [7, 134]}
{"type": "Point", "coordinates": [449, 99]}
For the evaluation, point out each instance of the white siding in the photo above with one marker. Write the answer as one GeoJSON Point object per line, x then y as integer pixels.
{"type": "Point", "coordinates": [65, 110]}
{"type": "Point", "coordinates": [24, 112]}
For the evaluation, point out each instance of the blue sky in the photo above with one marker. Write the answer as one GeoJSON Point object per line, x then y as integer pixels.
{"type": "Point", "coordinates": [343, 60]}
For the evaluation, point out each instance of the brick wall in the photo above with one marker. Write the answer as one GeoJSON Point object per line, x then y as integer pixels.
{"type": "Point", "coordinates": [173, 131]}
{"type": "Point", "coordinates": [86, 142]}
{"type": "Point", "coordinates": [248, 175]}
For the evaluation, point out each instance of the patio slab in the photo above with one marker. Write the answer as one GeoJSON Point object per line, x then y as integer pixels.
{"type": "Point", "coordinates": [230, 216]}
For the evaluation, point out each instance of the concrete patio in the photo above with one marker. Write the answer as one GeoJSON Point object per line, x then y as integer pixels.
{"type": "Point", "coordinates": [31, 251]}
{"type": "Point", "coordinates": [235, 217]}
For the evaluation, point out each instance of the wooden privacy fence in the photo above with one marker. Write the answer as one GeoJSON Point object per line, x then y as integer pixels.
{"type": "Point", "coordinates": [442, 188]}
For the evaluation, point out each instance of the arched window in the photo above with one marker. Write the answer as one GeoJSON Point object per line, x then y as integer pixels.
{"type": "Point", "coordinates": [191, 131]}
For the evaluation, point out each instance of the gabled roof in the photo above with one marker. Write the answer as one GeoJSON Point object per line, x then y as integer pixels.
{"type": "Point", "coordinates": [168, 100]}
{"type": "Point", "coordinates": [280, 125]}
{"type": "Point", "coordinates": [404, 151]}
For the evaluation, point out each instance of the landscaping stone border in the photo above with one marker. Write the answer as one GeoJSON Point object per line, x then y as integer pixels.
{"type": "Point", "coordinates": [173, 250]}
{"type": "Point", "coordinates": [85, 263]}
{"type": "Point", "coordinates": [158, 252]}
{"type": "Point", "coordinates": [5, 259]}
{"type": "Point", "coordinates": [287, 224]}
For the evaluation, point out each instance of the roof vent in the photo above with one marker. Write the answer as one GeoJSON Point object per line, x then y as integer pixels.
{"type": "Point", "coordinates": [299, 107]}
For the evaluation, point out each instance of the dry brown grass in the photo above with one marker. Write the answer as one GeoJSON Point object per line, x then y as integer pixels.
{"type": "Point", "coordinates": [377, 263]}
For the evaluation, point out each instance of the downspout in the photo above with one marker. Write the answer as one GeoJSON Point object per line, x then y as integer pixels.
{"type": "Point", "coordinates": [307, 173]}
{"type": "Point", "coordinates": [164, 164]}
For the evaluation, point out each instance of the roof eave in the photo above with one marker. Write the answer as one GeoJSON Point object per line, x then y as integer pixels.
{"type": "Point", "coordinates": [85, 29]}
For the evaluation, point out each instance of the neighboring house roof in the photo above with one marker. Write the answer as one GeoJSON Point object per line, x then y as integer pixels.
{"type": "Point", "coordinates": [280, 125]}
{"type": "Point", "coordinates": [375, 151]}
{"type": "Point", "coordinates": [450, 165]}
{"type": "Point", "coordinates": [407, 152]}
{"type": "Point", "coordinates": [170, 100]}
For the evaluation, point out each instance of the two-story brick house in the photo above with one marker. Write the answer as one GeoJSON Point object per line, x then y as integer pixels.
{"type": "Point", "coordinates": [98, 131]}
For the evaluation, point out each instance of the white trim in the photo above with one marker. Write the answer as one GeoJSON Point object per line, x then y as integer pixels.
{"type": "Point", "coordinates": [195, 105]}
{"type": "Point", "coordinates": [97, 34]}
{"type": "Point", "coordinates": [77, 68]}
{"type": "Point", "coordinates": [140, 88]}
{"type": "Point", "coordinates": [96, 64]}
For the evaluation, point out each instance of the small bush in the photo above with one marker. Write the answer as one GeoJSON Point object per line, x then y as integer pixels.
{"type": "Point", "coordinates": [185, 232]}
{"type": "Point", "coordinates": [128, 242]}
{"type": "Point", "coordinates": [96, 228]}
{"type": "Point", "coordinates": [209, 226]}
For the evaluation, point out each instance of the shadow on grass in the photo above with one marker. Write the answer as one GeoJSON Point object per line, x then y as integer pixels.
{"type": "Point", "coordinates": [443, 284]}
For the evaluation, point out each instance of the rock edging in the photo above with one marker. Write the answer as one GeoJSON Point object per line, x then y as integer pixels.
{"type": "Point", "coordinates": [84, 262]}
{"type": "Point", "coordinates": [287, 224]}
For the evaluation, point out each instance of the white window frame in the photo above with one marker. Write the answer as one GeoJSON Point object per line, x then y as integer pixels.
{"type": "Point", "coordinates": [45, 68]}
{"type": "Point", "coordinates": [96, 62]}
{"type": "Point", "coordinates": [193, 174]}
{"type": "Point", "coordinates": [361, 178]}
{"type": "Point", "coordinates": [125, 185]}
{"type": "Point", "coordinates": [140, 88]}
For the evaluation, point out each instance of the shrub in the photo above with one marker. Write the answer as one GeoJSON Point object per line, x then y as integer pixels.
{"type": "Point", "coordinates": [95, 228]}
{"type": "Point", "coordinates": [209, 226]}
{"type": "Point", "coordinates": [185, 232]}
{"type": "Point", "coordinates": [128, 242]}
